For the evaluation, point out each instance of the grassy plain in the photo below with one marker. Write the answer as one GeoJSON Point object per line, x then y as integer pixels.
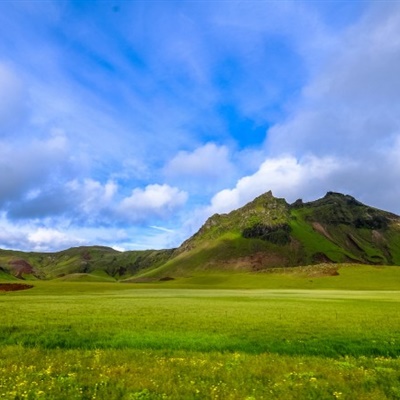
{"type": "Point", "coordinates": [236, 336]}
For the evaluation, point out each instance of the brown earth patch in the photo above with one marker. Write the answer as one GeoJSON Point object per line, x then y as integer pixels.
{"type": "Point", "coordinates": [320, 229]}
{"type": "Point", "coordinates": [12, 287]}
{"type": "Point", "coordinates": [323, 270]}
{"type": "Point", "coordinates": [254, 262]}
{"type": "Point", "coordinates": [166, 278]}
{"type": "Point", "coordinates": [377, 236]}
{"type": "Point", "coordinates": [20, 267]}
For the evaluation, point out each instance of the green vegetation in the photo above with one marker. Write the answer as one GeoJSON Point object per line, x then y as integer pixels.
{"type": "Point", "coordinates": [156, 374]}
{"type": "Point", "coordinates": [318, 277]}
{"type": "Point", "coordinates": [313, 243]}
{"type": "Point", "coordinates": [339, 228]}
{"type": "Point", "coordinates": [5, 276]}
{"type": "Point", "coordinates": [278, 234]}
{"type": "Point", "coordinates": [208, 336]}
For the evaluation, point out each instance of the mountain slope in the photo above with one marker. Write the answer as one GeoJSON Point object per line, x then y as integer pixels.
{"type": "Point", "coordinates": [340, 228]}
{"type": "Point", "coordinates": [269, 232]}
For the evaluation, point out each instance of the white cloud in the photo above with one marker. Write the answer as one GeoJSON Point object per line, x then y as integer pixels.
{"type": "Point", "coordinates": [43, 239]}
{"type": "Point", "coordinates": [286, 177]}
{"type": "Point", "coordinates": [93, 197]}
{"type": "Point", "coordinates": [45, 235]}
{"type": "Point", "coordinates": [89, 203]}
{"type": "Point", "coordinates": [206, 168]}
{"type": "Point", "coordinates": [54, 235]}
{"type": "Point", "coordinates": [81, 201]}
{"type": "Point", "coordinates": [152, 201]}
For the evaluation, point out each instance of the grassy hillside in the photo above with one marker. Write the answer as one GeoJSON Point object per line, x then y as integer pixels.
{"type": "Point", "coordinates": [339, 228]}
{"type": "Point", "coordinates": [96, 263]}
{"type": "Point", "coordinates": [315, 277]}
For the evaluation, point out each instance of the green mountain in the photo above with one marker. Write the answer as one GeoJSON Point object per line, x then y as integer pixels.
{"type": "Point", "coordinates": [268, 232]}
{"type": "Point", "coordinates": [265, 233]}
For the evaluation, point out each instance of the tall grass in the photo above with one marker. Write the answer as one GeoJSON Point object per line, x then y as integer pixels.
{"type": "Point", "coordinates": [136, 374]}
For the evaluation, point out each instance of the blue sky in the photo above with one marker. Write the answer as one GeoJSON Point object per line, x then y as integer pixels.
{"type": "Point", "coordinates": [128, 123]}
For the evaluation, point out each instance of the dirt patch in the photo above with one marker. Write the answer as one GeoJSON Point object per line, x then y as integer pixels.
{"type": "Point", "coordinates": [322, 270]}
{"type": "Point", "coordinates": [13, 287]}
{"type": "Point", "coordinates": [255, 262]}
{"type": "Point", "coordinates": [166, 278]}
{"type": "Point", "coordinates": [377, 236]}
{"type": "Point", "coordinates": [20, 267]}
{"type": "Point", "coordinates": [320, 229]}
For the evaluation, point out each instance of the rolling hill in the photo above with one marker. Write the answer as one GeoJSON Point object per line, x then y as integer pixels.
{"type": "Point", "coordinates": [266, 233]}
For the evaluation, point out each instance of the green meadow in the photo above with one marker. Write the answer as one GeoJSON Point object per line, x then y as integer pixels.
{"type": "Point", "coordinates": [290, 334]}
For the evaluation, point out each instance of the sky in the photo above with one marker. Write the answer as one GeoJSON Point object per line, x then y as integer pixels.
{"type": "Point", "coordinates": [129, 123]}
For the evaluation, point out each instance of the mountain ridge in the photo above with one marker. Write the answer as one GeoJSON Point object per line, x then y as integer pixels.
{"type": "Point", "coordinates": [267, 232]}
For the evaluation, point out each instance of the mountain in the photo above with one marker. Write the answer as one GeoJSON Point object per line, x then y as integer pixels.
{"type": "Point", "coordinates": [267, 232]}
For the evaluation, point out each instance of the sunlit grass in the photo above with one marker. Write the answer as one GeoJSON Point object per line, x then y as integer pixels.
{"type": "Point", "coordinates": [288, 322]}
{"type": "Point", "coordinates": [72, 340]}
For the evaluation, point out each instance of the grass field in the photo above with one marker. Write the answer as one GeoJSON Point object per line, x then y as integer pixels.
{"type": "Point", "coordinates": [205, 337]}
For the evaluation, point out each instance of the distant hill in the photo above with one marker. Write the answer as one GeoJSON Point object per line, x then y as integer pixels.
{"type": "Point", "coordinates": [265, 233]}
{"type": "Point", "coordinates": [95, 262]}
